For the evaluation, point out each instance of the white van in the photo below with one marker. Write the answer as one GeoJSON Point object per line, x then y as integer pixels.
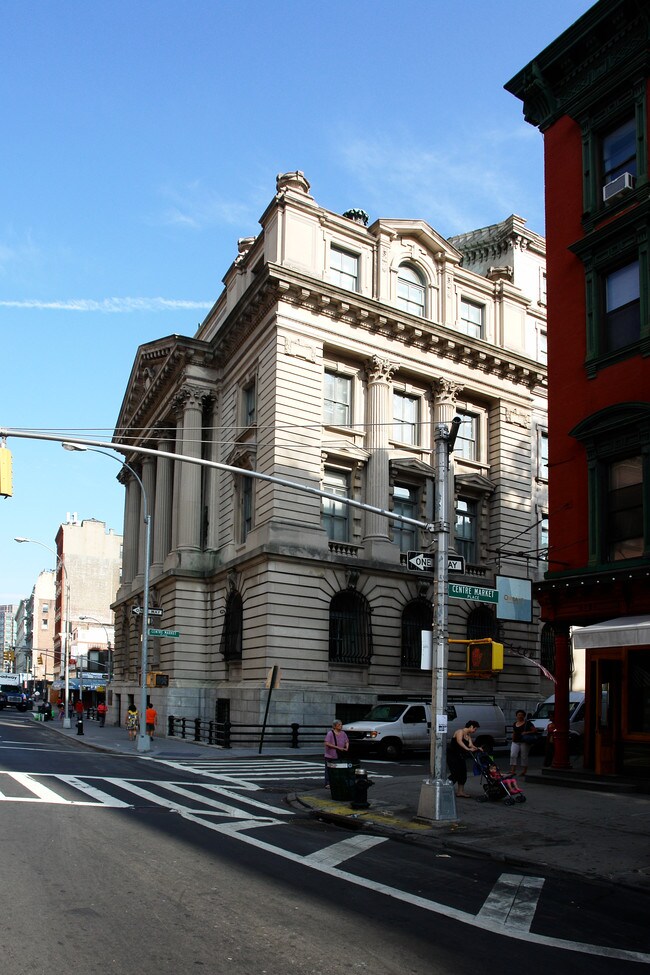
{"type": "Point", "coordinates": [543, 713]}
{"type": "Point", "coordinates": [392, 727]}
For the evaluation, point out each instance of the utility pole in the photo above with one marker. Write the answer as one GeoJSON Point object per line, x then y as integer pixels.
{"type": "Point", "coordinates": [437, 798]}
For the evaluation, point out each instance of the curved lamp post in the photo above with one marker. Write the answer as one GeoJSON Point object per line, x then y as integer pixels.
{"type": "Point", "coordinates": [144, 742]}
{"type": "Point", "coordinates": [65, 629]}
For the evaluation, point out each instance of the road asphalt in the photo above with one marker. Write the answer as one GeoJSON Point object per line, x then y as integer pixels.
{"type": "Point", "coordinates": [582, 832]}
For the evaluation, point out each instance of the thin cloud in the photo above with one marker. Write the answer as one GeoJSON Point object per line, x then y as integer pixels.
{"type": "Point", "coordinates": [453, 188]}
{"type": "Point", "coordinates": [108, 305]}
{"type": "Point", "coordinates": [196, 207]}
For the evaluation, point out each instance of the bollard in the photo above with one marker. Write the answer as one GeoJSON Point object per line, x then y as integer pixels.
{"type": "Point", "coordinates": [295, 728]}
{"type": "Point", "coordinates": [80, 725]}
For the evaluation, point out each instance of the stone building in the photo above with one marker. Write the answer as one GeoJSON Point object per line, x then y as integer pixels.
{"type": "Point", "coordinates": [333, 350]}
{"type": "Point", "coordinates": [92, 556]}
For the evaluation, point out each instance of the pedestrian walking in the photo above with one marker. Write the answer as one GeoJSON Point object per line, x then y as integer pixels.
{"type": "Point", "coordinates": [132, 722]}
{"type": "Point", "coordinates": [102, 709]}
{"type": "Point", "coordinates": [523, 736]}
{"type": "Point", "coordinates": [460, 746]}
{"type": "Point", "coordinates": [151, 717]}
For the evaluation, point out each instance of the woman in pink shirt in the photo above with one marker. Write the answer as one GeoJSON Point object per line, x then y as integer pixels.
{"type": "Point", "coordinates": [336, 745]}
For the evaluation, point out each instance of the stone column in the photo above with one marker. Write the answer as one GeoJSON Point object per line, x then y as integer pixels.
{"type": "Point", "coordinates": [176, 474]}
{"type": "Point", "coordinates": [131, 527]}
{"type": "Point", "coordinates": [189, 512]}
{"type": "Point", "coordinates": [148, 475]}
{"type": "Point", "coordinates": [379, 374]}
{"type": "Point", "coordinates": [162, 525]}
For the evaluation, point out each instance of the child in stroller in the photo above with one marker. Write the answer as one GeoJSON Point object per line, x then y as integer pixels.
{"type": "Point", "coordinates": [495, 785]}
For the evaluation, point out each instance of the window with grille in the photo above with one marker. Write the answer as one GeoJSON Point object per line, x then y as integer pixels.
{"type": "Point", "coordinates": [350, 632]}
{"type": "Point", "coordinates": [231, 635]}
{"type": "Point", "coordinates": [417, 617]}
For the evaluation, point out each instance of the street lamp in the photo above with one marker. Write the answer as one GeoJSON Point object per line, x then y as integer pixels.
{"type": "Point", "coordinates": [144, 742]}
{"type": "Point", "coordinates": [65, 629]}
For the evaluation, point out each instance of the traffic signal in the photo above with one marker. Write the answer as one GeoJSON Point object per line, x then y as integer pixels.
{"type": "Point", "coordinates": [484, 656]}
{"type": "Point", "coordinates": [6, 485]}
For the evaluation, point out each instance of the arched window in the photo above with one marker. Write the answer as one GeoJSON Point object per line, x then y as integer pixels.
{"type": "Point", "coordinates": [231, 635]}
{"type": "Point", "coordinates": [481, 623]}
{"type": "Point", "coordinates": [350, 629]}
{"type": "Point", "coordinates": [416, 617]}
{"type": "Point", "coordinates": [411, 292]}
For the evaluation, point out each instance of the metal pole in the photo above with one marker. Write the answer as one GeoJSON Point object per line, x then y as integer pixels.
{"type": "Point", "coordinates": [144, 742]}
{"type": "Point", "coordinates": [437, 798]}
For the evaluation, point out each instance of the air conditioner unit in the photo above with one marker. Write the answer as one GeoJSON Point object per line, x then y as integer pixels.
{"type": "Point", "coordinates": [623, 182]}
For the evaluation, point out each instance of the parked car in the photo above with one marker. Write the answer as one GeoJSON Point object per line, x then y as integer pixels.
{"type": "Point", "coordinates": [543, 713]}
{"type": "Point", "coordinates": [393, 727]}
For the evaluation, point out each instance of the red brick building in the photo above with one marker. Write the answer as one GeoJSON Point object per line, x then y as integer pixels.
{"type": "Point", "coordinates": [588, 94]}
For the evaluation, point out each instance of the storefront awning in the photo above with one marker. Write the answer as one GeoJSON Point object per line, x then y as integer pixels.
{"type": "Point", "coordinates": [89, 684]}
{"type": "Point", "coordinates": [625, 631]}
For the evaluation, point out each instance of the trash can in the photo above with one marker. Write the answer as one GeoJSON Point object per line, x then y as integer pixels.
{"type": "Point", "coordinates": [341, 777]}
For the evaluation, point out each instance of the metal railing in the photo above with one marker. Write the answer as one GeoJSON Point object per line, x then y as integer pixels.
{"type": "Point", "coordinates": [225, 734]}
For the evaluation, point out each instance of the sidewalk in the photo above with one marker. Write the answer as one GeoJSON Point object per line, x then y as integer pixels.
{"type": "Point", "coordinates": [592, 834]}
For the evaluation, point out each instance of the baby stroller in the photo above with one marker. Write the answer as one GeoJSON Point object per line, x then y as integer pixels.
{"type": "Point", "coordinates": [495, 784]}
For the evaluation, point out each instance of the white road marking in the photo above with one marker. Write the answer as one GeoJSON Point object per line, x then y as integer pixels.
{"type": "Point", "coordinates": [237, 832]}
{"type": "Point", "coordinates": [345, 850]}
{"type": "Point", "coordinates": [40, 791]}
{"type": "Point", "coordinates": [512, 902]}
{"type": "Point", "coordinates": [102, 797]}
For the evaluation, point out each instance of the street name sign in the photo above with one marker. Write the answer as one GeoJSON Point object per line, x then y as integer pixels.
{"type": "Point", "coordinates": [479, 594]}
{"type": "Point", "coordinates": [153, 611]}
{"type": "Point", "coordinates": [172, 634]}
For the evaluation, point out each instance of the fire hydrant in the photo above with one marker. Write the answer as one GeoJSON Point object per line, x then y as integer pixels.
{"type": "Point", "coordinates": [360, 788]}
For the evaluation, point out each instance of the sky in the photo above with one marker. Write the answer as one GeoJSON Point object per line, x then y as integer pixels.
{"type": "Point", "coordinates": [142, 138]}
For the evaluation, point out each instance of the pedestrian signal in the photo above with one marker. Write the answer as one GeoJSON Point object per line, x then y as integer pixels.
{"type": "Point", "coordinates": [482, 656]}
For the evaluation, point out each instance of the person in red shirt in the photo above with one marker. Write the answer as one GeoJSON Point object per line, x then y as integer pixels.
{"type": "Point", "coordinates": [150, 717]}
{"type": "Point", "coordinates": [102, 708]}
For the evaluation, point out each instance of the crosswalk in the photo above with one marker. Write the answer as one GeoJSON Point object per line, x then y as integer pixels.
{"type": "Point", "coordinates": [249, 773]}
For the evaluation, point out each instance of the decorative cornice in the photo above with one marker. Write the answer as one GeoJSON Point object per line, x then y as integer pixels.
{"type": "Point", "coordinates": [430, 337]}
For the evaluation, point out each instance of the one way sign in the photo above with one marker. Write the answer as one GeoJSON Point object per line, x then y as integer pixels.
{"type": "Point", "coordinates": [424, 562]}
{"type": "Point", "coordinates": [420, 562]}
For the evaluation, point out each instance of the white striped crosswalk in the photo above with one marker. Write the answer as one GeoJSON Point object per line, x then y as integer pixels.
{"type": "Point", "coordinates": [254, 773]}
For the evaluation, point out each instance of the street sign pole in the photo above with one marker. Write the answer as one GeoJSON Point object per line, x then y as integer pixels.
{"type": "Point", "coordinates": [437, 798]}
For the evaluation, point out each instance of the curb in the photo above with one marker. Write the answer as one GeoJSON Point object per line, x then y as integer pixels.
{"type": "Point", "coordinates": [425, 836]}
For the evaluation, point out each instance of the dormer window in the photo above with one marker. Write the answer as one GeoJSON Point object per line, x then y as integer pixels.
{"type": "Point", "coordinates": [411, 292]}
{"type": "Point", "coordinates": [344, 269]}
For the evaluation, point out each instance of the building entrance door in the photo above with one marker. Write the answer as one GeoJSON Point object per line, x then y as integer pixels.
{"type": "Point", "coordinates": [607, 715]}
